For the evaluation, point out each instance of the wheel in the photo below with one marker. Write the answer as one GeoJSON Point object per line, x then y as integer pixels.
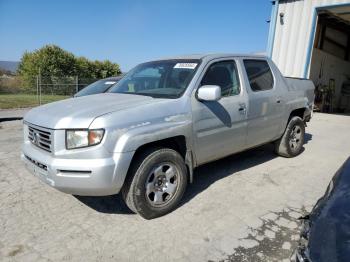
{"type": "Point", "coordinates": [291, 143]}
{"type": "Point", "coordinates": [156, 182]}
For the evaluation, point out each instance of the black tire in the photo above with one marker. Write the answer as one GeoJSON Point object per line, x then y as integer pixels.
{"type": "Point", "coordinates": [140, 175]}
{"type": "Point", "coordinates": [292, 141]}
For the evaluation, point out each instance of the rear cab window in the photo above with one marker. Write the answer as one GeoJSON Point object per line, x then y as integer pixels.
{"type": "Point", "coordinates": [259, 74]}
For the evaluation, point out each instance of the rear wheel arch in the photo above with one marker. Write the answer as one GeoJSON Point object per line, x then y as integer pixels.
{"type": "Point", "coordinates": [297, 112]}
{"type": "Point", "coordinates": [283, 145]}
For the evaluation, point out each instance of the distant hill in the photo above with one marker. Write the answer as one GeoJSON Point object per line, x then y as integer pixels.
{"type": "Point", "coordinates": [9, 66]}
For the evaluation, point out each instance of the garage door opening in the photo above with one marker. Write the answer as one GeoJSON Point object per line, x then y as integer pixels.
{"type": "Point", "coordinates": [330, 60]}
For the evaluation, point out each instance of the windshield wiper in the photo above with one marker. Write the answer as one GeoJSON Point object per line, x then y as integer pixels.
{"type": "Point", "coordinates": [150, 94]}
{"type": "Point", "coordinates": [159, 95]}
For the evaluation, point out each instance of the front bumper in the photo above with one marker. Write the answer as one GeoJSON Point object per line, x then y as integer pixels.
{"type": "Point", "coordinates": [89, 177]}
{"type": "Point", "coordinates": [308, 114]}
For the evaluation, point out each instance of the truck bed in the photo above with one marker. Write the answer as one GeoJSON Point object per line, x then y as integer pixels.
{"type": "Point", "coordinates": [302, 87]}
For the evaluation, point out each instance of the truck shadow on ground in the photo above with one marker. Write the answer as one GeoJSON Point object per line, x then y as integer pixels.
{"type": "Point", "coordinates": [308, 137]}
{"type": "Point", "coordinates": [204, 176]}
{"type": "Point", "coordinates": [113, 204]}
{"type": "Point", "coordinates": [208, 174]}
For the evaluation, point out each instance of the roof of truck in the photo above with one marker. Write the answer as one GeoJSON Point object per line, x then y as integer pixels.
{"type": "Point", "coordinates": [211, 56]}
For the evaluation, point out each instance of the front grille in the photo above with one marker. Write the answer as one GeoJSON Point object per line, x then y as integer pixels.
{"type": "Point", "coordinates": [40, 138]}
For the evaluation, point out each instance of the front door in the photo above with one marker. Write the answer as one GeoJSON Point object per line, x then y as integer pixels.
{"type": "Point", "coordinates": [220, 126]}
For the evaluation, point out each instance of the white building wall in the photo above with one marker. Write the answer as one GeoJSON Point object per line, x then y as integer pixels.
{"type": "Point", "coordinates": [291, 39]}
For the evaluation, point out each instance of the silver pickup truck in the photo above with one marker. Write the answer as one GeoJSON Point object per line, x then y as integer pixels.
{"type": "Point", "coordinates": [145, 137]}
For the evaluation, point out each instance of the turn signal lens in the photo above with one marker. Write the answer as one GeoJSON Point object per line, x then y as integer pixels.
{"type": "Point", "coordinates": [95, 137]}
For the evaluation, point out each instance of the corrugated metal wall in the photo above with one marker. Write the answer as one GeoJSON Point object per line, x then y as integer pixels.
{"type": "Point", "coordinates": [292, 34]}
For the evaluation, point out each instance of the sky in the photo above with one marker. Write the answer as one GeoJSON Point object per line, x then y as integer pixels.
{"type": "Point", "coordinates": [129, 32]}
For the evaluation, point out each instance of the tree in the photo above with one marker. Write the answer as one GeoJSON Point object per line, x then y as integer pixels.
{"type": "Point", "coordinates": [105, 68]}
{"type": "Point", "coordinates": [83, 68]}
{"type": "Point", "coordinates": [52, 62]}
{"type": "Point", "coordinates": [49, 61]}
{"type": "Point", "coordinates": [96, 69]}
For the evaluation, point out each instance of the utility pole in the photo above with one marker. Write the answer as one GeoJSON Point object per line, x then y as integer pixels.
{"type": "Point", "coordinates": [39, 86]}
{"type": "Point", "coordinates": [76, 84]}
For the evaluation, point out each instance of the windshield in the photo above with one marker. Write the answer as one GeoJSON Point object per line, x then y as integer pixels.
{"type": "Point", "coordinates": [97, 87]}
{"type": "Point", "coordinates": [165, 78]}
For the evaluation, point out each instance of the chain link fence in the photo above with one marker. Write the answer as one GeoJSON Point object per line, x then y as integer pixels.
{"type": "Point", "coordinates": [17, 93]}
{"type": "Point", "coordinates": [60, 86]}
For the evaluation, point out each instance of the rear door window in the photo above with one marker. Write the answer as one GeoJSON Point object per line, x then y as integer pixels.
{"type": "Point", "coordinates": [259, 75]}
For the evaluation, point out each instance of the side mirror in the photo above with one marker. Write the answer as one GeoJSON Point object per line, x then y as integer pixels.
{"type": "Point", "coordinates": [209, 93]}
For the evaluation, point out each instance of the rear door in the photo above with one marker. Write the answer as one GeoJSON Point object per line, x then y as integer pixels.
{"type": "Point", "coordinates": [220, 126]}
{"type": "Point", "coordinates": [265, 110]}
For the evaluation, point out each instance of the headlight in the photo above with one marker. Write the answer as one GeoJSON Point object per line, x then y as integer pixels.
{"type": "Point", "coordinates": [83, 138]}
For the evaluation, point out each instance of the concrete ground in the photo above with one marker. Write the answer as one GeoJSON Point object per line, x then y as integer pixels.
{"type": "Point", "coordinates": [242, 208]}
{"type": "Point", "coordinates": [6, 114]}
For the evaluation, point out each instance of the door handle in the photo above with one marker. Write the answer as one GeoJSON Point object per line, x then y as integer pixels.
{"type": "Point", "coordinates": [242, 108]}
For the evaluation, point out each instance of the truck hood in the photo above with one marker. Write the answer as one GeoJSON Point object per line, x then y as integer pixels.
{"type": "Point", "coordinates": [81, 111]}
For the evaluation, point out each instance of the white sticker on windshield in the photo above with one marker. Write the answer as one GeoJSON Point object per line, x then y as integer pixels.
{"type": "Point", "coordinates": [186, 65]}
{"type": "Point", "coordinates": [110, 82]}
